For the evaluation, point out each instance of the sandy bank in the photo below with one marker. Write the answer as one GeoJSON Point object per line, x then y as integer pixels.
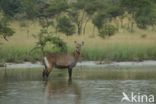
{"type": "Point", "coordinates": [87, 64]}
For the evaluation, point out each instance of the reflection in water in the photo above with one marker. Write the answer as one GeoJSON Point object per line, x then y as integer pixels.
{"type": "Point", "coordinates": [105, 74]}
{"type": "Point", "coordinates": [79, 92]}
{"type": "Point", "coordinates": [60, 89]}
{"type": "Point", "coordinates": [98, 86]}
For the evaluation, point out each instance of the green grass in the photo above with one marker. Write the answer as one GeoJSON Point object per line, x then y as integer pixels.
{"type": "Point", "coordinates": [123, 46]}
{"type": "Point", "coordinates": [12, 54]}
{"type": "Point", "coordinates": [121, 53]}
{"type": "Point", "coordinates": [118, 52]}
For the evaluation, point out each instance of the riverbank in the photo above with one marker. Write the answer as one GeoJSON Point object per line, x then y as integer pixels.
{"type": "Point", "coordinates": [90, 64]}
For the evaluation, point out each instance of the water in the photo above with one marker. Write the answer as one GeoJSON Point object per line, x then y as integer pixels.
{"type": "Point", "coordinates": [25, 86]}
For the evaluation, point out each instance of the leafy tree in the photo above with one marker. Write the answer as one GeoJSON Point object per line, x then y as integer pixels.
{"type": "Point", "coordinates": [77, 14]}
{"type": "Point", "coordinates": [5, 30]}
{"type": "Point", "coordinates": [10, 7]}
{"type": "Point", "coordinates": [142, 11]}
{"type": "Point", "coordinates": [90, 7]}
{"type": "Point", "coordinates": [45, 37]}
{"type": "Point", "coordinates": [66, 26]}
{"type": "Point", "coordinates": [57, 6]}
{"type": "Point", "coordinates": [99, 20]}
{"type": "Point", "coordinates": [107, 31]}
{"type": "Point", "coordinates": [32, 8]}
{"type": "Point", "coordinates": [146, 16]}
{"type": "Point", "coordinates": [55, 9]}
{"type": "Point", "coordinates": [106, 13]}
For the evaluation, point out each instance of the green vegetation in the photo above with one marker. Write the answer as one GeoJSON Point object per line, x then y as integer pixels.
{"type": "Point", "coordinates": [121, 53]}
{"type": "Point", "coordinates": [107, 31]}
{"type": "Point", "coordinates": [53, 25]}
{"type": "Point", "coordinates": [65, 25]}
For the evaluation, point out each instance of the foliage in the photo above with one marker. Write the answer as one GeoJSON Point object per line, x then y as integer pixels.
{"type": "Point", "coordinates": [143, 11]}
{"type": "Point", "coordinates": [59, 43]}
{"type": "Point", "coordinates": [10, 7]}
{"type": "Point", "coordinates": [66, 26]}
{"type": "Point", "coordinates": [146, 16]}
{"type": "Point", "coordinates": [100, 12]}
{"type": "Point", "coordinates": [106, 13]}
{"type": "Point", "coordinates": [45, 37]}
{"type": "Point", "coordinates": [107, 31]}
{"type": "Point", "coordinates": [58, 6]}
{"type": "Point", "coordinates": [113, 52]}
{"type": "Point", "coordinates": [100, 19]}
{"type": "Point", "coordinates": [31, 8]}
{"type": "Point", "coordinates": [5, 30]}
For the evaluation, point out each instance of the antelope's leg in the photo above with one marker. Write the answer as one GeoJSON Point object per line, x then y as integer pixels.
{"type": "Point", "coordinates": [70, 73]}
{"type": "Point", "coordinates": [44, 71]}
{"type": "Point", "coordinates": [49, 69]}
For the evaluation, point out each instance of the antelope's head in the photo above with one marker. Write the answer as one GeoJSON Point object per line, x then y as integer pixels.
{"type": "Point", "coordinates": [78, 46]}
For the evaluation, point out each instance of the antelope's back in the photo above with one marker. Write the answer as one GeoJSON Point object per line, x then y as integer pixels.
{"type": "Point", "coordinates": [61, 59]}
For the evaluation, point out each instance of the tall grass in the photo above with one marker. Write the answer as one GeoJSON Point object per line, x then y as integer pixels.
{"type": "Point", "coordinates": [123, 46]}
{"type": "Point", "coordinates": [20, 54]}
{"type": "Point", "coordinates": [121, 53]}
{"type": "Point", "coordinates": [113, 53]}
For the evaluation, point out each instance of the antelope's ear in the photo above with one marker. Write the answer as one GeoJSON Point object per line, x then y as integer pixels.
{"type": "Point", "coordinates": [75, 42]}
{"type": "Point", "coordinates": [82, 42]}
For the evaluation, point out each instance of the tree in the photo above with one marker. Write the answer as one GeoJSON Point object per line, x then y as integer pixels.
{"type": "Point", "coordinates": [146, 15]}
{"type": "Point", "coordinates": [55, 9]}
{"type": "Point", "coordinates": [66, 26]}
{"type": "Point", "coordinates": [142, 11]}
{"type": "Point", "coordinates": [32, 8]}
{"type": "Point", "coordinates": [5, 30]}
{"type": "Point", "coordinates": [46, 37]}
{"type": "Point", "coordinates": [77, 16]}
{"type": "Point", "coordinates": [106, 13]}
{"type": "Point", "coordinates": [10, 7]}
{"type": "Point", "coordinates": [107, 31]}
{"type": "Point", "coordinates": [90, 7]}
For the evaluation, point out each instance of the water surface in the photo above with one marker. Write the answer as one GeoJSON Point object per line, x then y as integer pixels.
{"type": "Point", "coordinates": [89, 86]}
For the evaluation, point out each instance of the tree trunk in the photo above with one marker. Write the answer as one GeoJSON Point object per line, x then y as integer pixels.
{"type": "Point", "coordinates": [79, 29]}
{"type": "Point", "coordinates": [132, 25]}
{"type": "Point", "coordinates": [93, 30]}
{"type": "Point", "coordinates": [84, 29]}
{"type": "Point", "coordinates": [80, 23]}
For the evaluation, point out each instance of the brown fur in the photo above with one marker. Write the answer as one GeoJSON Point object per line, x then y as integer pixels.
{"type": "Point", "coordinates": [62, 60]}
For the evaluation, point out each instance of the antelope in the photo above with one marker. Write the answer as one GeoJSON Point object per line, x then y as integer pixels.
{"type": "Point", "coordinates": [61, 61]}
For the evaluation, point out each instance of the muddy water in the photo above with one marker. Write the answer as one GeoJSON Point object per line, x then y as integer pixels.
{"type": "Point", "coordinates": [89, 86]}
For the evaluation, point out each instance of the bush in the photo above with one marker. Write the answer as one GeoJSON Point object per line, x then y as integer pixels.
{"type": "Point", "coordinates": [66, 26]}
{"type": "Point", "coordinates": [107, 31]}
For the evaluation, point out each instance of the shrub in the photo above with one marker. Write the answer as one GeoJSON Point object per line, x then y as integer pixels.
{"type": "Point", "coordinates": [107, 31]}
{"type": "Point", "coordinates": [66, 26]}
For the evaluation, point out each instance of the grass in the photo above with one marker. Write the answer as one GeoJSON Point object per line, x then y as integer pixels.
{"type": "Point", "coordinates": [118, 52]}
{"type": "Point", "coordinates": [11, 54]}
{"type": "Point", "coordinates": [123, 46]}
{"type": "Point", "coordinates": [121, 52]}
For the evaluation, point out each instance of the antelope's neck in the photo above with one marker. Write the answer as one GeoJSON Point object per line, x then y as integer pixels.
{"type": "Point", "coordinates": [76, 55]}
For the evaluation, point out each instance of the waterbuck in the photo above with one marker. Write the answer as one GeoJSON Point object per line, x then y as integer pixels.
{"type": "Point", "coordinates": [62, 60]}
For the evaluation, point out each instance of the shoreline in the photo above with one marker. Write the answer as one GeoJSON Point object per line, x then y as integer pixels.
{"type": "Point", "coordinates": [90, 64]}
